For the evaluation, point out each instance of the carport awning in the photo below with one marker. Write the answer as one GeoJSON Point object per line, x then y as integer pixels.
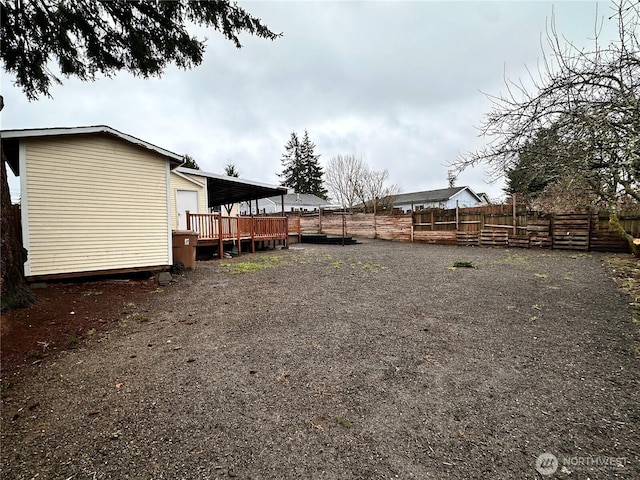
{"type": "Point", "coordinates": [223, 190]}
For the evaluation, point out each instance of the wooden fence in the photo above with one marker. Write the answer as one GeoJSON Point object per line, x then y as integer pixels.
{"type": "Point", "coordinates": [492, 225]}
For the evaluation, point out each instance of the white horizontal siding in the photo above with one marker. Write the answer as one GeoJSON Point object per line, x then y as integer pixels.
{"type": "Point", "coordinates": [94, 203]}
{"type": "Point", "coordinates": [464, 198]}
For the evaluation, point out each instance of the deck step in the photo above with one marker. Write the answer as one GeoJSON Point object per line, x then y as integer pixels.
{"type": "Point", "coordinates": [327, 239]}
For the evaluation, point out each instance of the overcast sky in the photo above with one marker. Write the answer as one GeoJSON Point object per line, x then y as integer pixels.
{"type": "Point", "coordinates": [397, 83]}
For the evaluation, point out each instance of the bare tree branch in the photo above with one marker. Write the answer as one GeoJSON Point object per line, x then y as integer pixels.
{"type": "Point", "coordinates": [590, 97]}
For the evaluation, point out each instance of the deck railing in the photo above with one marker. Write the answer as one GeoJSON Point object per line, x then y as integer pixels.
{"type": "Point", "coordinates": [212, 227]}
{"type": "Point", "coordinates": [270, 228]}
{"type": "Point", "coordinates": [207, 225]}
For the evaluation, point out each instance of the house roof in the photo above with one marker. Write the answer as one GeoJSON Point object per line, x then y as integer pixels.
{"type": "Point", "coordinates": [222, 189]}
{"type": "Point", "coordinates": [10, 141]}
{"type": "Point", "coordinates": [431, 196]}
{"type": "Point", "coordinates": [302, 199]}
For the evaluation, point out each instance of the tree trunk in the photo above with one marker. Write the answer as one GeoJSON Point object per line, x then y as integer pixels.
{"type": "Point", "coordinates": [13, 287]}
{"type": "Point", "coordinates": [614, 223]}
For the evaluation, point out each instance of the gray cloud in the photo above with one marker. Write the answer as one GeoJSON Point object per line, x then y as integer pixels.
{"type": "Point", "coordinates": [397, 83]}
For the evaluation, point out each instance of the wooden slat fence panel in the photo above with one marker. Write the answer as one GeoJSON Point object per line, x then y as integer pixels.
{"type": "Point", "coordinates": [489, 225]}
{"type": "Point", "coordinates": [539, 232]}
{"type": "Point", "coordinates": [394, 227]}
{"type": "Point", "coordinates": [445, 237]}
{"type": "Point", "coordinates": [603, 238]}
{"type": "Point", "coordinates": [332, 224]}
{"type": "Point", "coordinates": [359, 224]}
{"type": "Point", "coordinates": [630, 221]}
{"type": "Point", "coordinates": [310, 223]}
{"type": "Point", "coordinates": [519, 241]}
{"type": "Point", "coordinates": [294, 225]}
{"type": "Point", "coordinates": [468, 238]}
{"type": "Point", "coordinates": [442, 219]}
{"type": "Point", "coordinates": [571, 231]}
{"type": "Point", "coordinates": [494, 238]}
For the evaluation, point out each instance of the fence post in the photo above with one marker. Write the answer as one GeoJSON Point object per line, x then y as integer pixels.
{"type": "Point", "coordinates": [188, 220]}
{"type": "Point", "coordinates": [413, 226]}
{"type": "Point", "coordinates": [432, 220]}
{"type": "Point", "coordinates": [457, 215]}
{"type": "Point", "coordinates": [375, 228]}
{"type": "Point", "coordinates": [514, 219]}
{"type": "Point", "coordinates": [286, 230]}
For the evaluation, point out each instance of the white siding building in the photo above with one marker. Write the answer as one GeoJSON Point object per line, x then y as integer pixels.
{"type": "Point", "coordinates": [293, 202]}
{"type": "Point", "coordinates": [442, 198]}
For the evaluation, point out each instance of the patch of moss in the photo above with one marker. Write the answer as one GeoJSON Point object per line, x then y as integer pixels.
{"type": "Point", "coordinates": [464, 264]}
{"type": "Point", "coordinates": [343, 422]}
{"type": "Point", "coordinates": [244, 267]}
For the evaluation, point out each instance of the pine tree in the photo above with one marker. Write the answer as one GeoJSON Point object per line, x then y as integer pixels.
{"type": "Point", "coordinates": [88, 39]}
{"type": "Point", "coordinates": [190, 162]}
{"type": "Point", "coordinates": [313, 171]}
{"type": "Point", "coordinates": [292, 174]}
{"type": "Point", "coordinates": [230, 170]}
{"type": "Point", "coordinates": [302, 171]}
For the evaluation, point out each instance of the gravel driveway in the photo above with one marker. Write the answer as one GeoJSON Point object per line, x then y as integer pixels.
{"type": "Point", "coordinates": [377, 360]}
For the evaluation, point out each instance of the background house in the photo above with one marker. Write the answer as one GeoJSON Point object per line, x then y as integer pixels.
{"type": "Point", "coordinates": [484, 198]}
{"type": "Point", "coordinates": [93, 200]}
{"type": "Point", "coordinates": [293, 202]}
{"type": "Point", "coordinates": [441, 198]}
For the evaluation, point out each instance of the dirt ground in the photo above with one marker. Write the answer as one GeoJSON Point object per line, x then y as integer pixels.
{"type": "Point", "coordinates": [378, 360]}
{"type": "Point", "coordinates": [64, 315]}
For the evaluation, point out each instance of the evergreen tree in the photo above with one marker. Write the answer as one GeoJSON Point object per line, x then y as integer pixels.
{"type": "Point", "coordinates": [292, 173]}
{"type": "Point", "coordinates": [90, 38]}
{"type": "Point", "coordinates": [87, 39]}
{"type": "Point", "coordinates": [541, 162]}
{"type": "Point", "coordinates": [302, 171]}
{"type": "Point", "coordinates": [189, 162]}
{"type": "Point", "coordinates": [311, 165]}
{"type": "Point", "coordinates": [230, 170]}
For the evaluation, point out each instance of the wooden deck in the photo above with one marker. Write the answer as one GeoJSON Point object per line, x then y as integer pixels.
{"type": "Point", "coordinates": [214, 229]}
